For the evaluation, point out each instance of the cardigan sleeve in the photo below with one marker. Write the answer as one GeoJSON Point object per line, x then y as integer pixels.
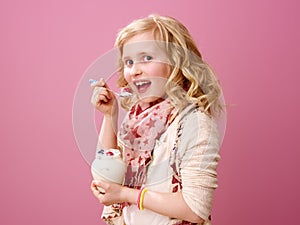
{"type": "Point", "coordinates": [199, 153]}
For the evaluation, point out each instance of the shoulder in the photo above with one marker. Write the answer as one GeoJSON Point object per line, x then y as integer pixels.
{"type": "Point", "coordinates": [194, 119]}
{"type": "Point", "coordinates": [198, 128]}
{"type": "Point", "coordinates": [189, 125]}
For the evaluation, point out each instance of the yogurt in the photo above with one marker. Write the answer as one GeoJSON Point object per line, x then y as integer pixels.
{"type": "Point", "coordinates": [108, 166]}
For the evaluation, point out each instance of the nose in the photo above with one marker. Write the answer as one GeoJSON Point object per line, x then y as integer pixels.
{"type": "Point", "coordinates": [135, 70]}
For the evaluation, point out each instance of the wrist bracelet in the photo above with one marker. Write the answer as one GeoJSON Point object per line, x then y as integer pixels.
{"type": "Point", "coordinates": [140, 198]}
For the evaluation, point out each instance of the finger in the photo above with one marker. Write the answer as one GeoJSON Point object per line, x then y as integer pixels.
{"type": "Point", "coordinates": [102, 98]}
{"type": "Point", "coordinates": [94, 184]}
{"type": "Point", "coordinates": [94, 98]}
{"type": "Point", "coordinates": [106, 92]}
{"type": "Point", "coordinates": [103, 91]}
{"type": "Point", "coordinates": [100, 183]}
{"type": "Point", "coordinates": [100, 95]}
{"type": "Point", "coordinates": [95, 190]}
{"type": "Point", "coordinates": [101, 83]}
{"type": "Point", "coordinates": [97, 83]}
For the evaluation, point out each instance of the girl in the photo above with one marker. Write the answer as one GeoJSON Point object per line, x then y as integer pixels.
{"type": "Point", "coordinates": [168, 139]}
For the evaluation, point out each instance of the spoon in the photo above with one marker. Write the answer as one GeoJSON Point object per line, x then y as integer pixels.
{"type": "Point", "coordinates": [124, 91]}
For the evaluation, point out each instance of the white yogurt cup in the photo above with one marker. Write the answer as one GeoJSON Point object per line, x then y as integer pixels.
{"type": "Point", "coordinates": [108, 166]}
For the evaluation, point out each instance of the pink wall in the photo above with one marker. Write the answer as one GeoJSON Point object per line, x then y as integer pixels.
{"type": "Point", "coordinates": [45, 47]}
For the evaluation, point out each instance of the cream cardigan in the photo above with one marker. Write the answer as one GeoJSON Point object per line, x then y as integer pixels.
{"type": "Point", "coordinates": [196, 161]}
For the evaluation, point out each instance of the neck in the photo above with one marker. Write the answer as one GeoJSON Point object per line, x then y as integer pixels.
{"type": "Point", "coordinates": [145, 105]}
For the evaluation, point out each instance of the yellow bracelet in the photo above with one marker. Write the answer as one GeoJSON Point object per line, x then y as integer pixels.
{"type": "Point", "coordinates": [142, 198]}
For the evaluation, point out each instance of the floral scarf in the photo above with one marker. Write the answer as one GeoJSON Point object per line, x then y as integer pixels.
{"type": "Point", "coordinates": [137, 137]}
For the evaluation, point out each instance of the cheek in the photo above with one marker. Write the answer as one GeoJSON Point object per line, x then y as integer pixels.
{"type": "Point", "coordinates": [127, 76]}
{"type": "Point", "coordinates": [163, 70]}
{"type": "Point", "coordinates": [168, 70]}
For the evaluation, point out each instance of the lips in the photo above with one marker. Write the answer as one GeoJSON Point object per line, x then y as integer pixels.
{"type": "Point", "coordinates": [142, 85]}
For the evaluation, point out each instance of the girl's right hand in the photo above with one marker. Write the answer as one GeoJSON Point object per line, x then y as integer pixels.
{"type": "Point", "coordinates": [103, 99]}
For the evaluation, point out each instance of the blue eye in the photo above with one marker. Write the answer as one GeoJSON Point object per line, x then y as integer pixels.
{"type": "Point", "coordinates": [128, 62]}
{"type": "Point", "coordinates": [148, 58]}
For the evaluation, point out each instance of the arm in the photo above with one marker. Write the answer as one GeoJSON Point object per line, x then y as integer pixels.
{"type": "Point", "coordinates": [172, 205]}
{"type": "Point", "coordinates": [108, 133]}
{"type": "Point", "coordinates": [106, 102]}
{"type": "Point", "coordinates": [169, 204]}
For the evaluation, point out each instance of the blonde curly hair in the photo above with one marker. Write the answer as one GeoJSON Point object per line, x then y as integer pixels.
{"type": "Point", "coordinates": [191, 79]}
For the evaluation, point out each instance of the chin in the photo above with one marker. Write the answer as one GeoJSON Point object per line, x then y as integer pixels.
{"type": "Point", "coordinates": [149, 99]}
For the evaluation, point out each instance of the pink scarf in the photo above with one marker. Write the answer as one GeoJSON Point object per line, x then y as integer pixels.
{"type": "Point", "coordinates": [138, 134]}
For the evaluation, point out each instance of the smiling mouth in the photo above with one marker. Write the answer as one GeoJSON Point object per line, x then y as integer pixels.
{"type": "Point", "coordinates": [142, 85]}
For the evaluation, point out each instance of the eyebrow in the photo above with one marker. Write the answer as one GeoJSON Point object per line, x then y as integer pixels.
{"type": "Point", "coordinates": [139, 54]}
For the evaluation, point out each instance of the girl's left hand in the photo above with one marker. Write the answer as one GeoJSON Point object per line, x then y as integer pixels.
{"type": "Point", "coordinates": [114, 193]}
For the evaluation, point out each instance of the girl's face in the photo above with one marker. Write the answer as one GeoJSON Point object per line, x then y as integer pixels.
{"type": "Point", "coordinates": [145, 66]}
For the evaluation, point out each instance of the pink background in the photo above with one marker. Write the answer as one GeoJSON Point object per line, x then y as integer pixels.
{"type": "Point", "coordinates": [45, 47]}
